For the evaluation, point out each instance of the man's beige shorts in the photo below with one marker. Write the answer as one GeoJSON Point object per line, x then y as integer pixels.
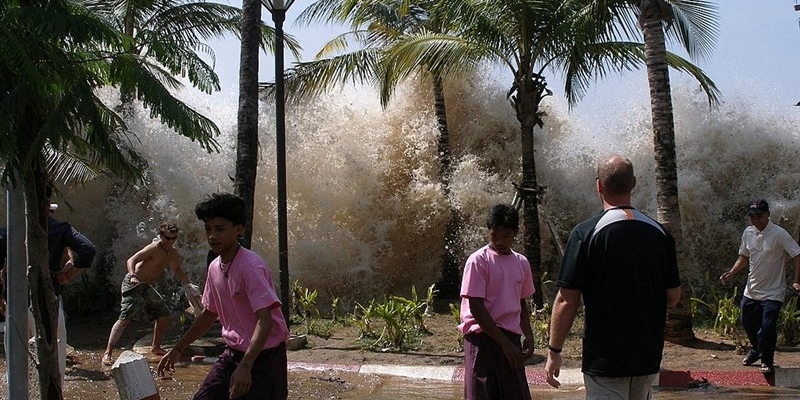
{"type": "Point", "coordinates": [625, 388]}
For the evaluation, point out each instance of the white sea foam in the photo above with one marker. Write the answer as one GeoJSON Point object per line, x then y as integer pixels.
{"type": "Point", "coordinates": [367, 214]}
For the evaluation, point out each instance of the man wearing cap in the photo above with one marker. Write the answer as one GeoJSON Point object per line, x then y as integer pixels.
{"type": "Point", "coordinates": [764, 247]}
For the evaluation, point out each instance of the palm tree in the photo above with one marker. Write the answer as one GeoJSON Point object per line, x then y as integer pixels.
{"type": "Point", "coordinates": [694, 25]}
{"type": "Point", "coordinates": [253, 34]}
{"type": "Point", "coordinates": [171, 33]}
{"type": "Point", "coordinates": [375, 26]}
{"type": "Point", "coordinates": [244, 183]}
{"type": "Point", "coordinates": [54, 54]}
{"type": "Point", "coordinates": [577, 38]}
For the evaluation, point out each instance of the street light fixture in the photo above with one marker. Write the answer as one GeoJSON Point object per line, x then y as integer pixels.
{"type": "Point", "coordinates": [278, 10]}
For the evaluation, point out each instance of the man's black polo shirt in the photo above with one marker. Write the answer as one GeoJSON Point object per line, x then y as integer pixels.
{"type": "Point", "coordinates": [623, 262]}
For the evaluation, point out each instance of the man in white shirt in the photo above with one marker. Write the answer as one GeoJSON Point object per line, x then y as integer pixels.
{"type": "Point", "coordinates": [764, 248]}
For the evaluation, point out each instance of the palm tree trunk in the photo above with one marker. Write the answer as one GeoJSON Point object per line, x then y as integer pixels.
{"type": "Point", "coordinates": [126, 93]}
{"type": "Point", "coordinates": [530, 89]}
{"type": "Point", "coordinates": [448, 285]}
{"type": "Point", "coordinates": [679, 318]}
{"type": "Point", "coordinates": [247, 122]}
{"type": "Point", "coordinates": [533, 239]}
{"type": "Point", "coordinates": [43, 301]}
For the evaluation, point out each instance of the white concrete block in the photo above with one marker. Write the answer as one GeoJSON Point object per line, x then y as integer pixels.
{"type": "Point", "coordinates": [133, 377]}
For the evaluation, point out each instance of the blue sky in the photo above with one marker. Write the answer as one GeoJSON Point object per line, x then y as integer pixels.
{"type": "Point", "coordinates": [757, 55]}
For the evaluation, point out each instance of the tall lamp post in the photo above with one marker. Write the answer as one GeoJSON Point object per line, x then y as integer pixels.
{"type": "Point", "coordinates": [278, 10]}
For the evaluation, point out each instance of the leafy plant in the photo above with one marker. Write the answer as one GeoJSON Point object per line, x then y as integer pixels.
{"type": "Point", "coordinates": [726, 322]}
{"type": "Point", "coordinates": [362, 316]}
{"type": "Point", "coordinates": [540, 324]}
{"type": "Point", "coordinates": [416, 308]}
{"type": "Point", "coordinates": [402, 318]}
{"type": "Point", "coordinates": [297, 311]}
{"type": "Point", "coordinates": [432, 291]}
{"type": "Point", "coordinates": [725, 313]}
{"type": "Point", "coordinates": [321, 328]}
{"type": "Point", "coordinates": [789, 323]}
{"type": "Point", "coordinates": [455, 311]}
{"type": "Point", "coordinates": [708, 295]}
{"type": "Point", "coordinates": [305, 302]}
{"type": "Point", "coordinates": [335, 309]}
{"type": "Point", "coordinates": [396, 313]}
{"type": "Point", "coordinates": [545, 282]}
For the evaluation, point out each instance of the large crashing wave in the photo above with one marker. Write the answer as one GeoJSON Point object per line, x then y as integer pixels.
{"type": "Point", "coordinates": [367, 214]}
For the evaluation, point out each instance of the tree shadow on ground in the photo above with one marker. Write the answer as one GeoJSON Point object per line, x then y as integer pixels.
{"type": "Point", "coordinates": [702, 344]}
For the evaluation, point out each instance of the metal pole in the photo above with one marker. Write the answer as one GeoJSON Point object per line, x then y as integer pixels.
{"type": "Point", "coordinates": [279, 15]}
{"type": "Point", "coordinates": [16, 329]}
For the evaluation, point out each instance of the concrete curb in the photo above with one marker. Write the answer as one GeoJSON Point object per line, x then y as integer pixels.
{"type": "Point", "coordinates": [785, 377]}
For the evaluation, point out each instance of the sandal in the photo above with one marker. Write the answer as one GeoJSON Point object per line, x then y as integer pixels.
{"type": "Point", "coordinates": [750, 358]}
{"type": "Point", "coordinates": [767, 368]}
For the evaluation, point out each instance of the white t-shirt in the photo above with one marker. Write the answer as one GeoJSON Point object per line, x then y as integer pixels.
{"type": "Point", "coordinates": [767, 251]}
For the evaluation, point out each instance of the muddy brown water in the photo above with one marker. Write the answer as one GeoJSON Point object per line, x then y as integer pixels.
{"type": "Point", "coordinates": [309, 385]}
{"type": "Point", "coordinates": [86, 379]}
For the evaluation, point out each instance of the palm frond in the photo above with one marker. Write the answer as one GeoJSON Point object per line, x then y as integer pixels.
{"type": "Point", "coordinates": [447, 55]}
{"type": "Point", "coordinates": [341, 43]}
{"type": "Point", "coordinates": [695, 26]}
{"type": "Point", "coordinates": [150, 90]}
{"type": "Point", "coordinates": [194, 22]}
{"type": "Point", "coordinates": [182, 61]}
{"type": "Point", "coordinates": [328, 11]}
{"type": "Point", "coordinates": [585, 64]}
{"type": "Point", "coordinates": [313, 78]}
{"type": "Point", "coordinates": [709, 87]}
{"type": "Point", "coordinates": [598, 61]}
{"type": "Point", "coordinates": [69, 167]}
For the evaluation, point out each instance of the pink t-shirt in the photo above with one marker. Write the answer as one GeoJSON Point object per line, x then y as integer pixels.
{"type": "Point", "coordinates": [236, 298]}
{"type": "Point", "coordinates": [502, 280]}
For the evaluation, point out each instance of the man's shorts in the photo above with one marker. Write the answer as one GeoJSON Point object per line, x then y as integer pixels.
{"type": "Point", "coordinates": [140, 302]}
{"type": "Point", "coordinates": [624, 388]}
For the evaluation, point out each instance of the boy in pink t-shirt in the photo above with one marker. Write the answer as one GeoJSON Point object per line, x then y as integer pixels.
{"type": "Point", "coordinates": [494, 314]}
{"type": "Point", "coordinates": [239, 292]}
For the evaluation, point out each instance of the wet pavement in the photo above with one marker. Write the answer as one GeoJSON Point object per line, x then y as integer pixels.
{"type": "Point", "coordinates": [337, 384]}
{"type": "Point", "coordinates": [331, 384]}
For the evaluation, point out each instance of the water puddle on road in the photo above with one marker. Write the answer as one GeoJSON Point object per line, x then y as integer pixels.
{"type": "Point", "coordinates": [310, 385]}
{"type": "Point", "coordinates": [394, 388]}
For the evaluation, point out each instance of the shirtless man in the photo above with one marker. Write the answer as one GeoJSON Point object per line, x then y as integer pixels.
{"type": "Point", "coordinates": [140, 300]}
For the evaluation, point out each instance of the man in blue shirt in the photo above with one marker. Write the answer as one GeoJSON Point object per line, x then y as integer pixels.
{"type": "Point", "coordinates": [69, 251]}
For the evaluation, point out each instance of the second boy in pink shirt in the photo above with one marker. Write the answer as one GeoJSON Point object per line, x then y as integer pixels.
{"type": "Point", "coordinates": [494, 314]}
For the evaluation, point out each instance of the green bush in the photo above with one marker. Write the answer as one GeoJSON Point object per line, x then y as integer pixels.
{"type": "Point", "coordinates": [789, 323]}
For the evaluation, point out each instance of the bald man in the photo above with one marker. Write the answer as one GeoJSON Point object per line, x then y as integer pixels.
{"type": "Point", "coordinates": [623, 264]}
